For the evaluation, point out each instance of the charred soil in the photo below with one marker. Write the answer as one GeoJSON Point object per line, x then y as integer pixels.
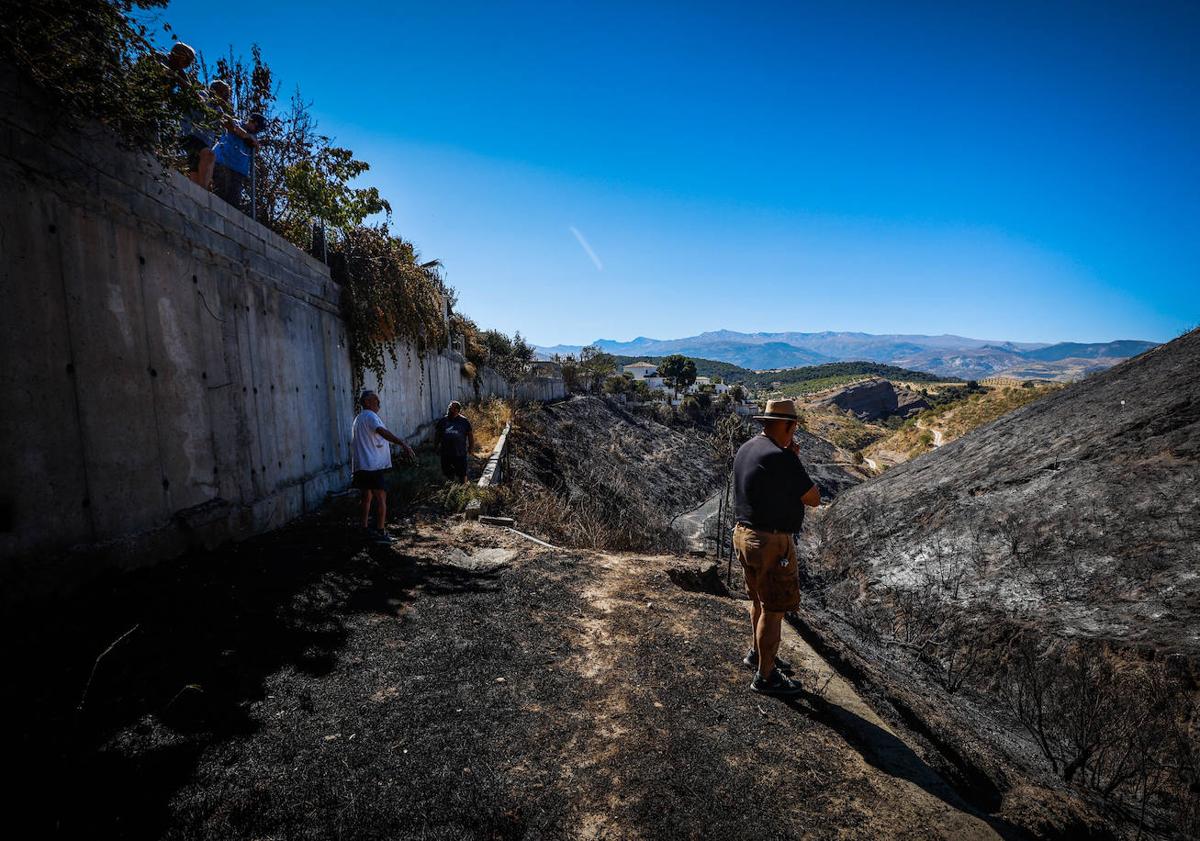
{"type": "Point", "coordinates": [462, 683]}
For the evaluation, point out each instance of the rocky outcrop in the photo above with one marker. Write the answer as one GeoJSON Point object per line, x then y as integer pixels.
{"type": "Point", "coordinates": [875, 399]}
{"type": "Point", "coordinates": [909, 402]}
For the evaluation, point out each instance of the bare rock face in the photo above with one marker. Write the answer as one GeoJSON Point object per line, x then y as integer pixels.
{"type": "Point", "coordinates": [875, 399]}
{"type": "Point", "coordinates": [869, 400]}
{"type": "Point", "coordinates": [909, 402]}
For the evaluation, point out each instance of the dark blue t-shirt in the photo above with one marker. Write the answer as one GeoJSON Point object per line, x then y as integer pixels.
{"type": "Point", "coordinates": [454, 432]}
{"type": "Point", "coordinates": [768, 482]}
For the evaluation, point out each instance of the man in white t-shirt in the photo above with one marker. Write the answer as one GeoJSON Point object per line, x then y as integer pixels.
{"type": "Point", "coordinates": [370, 456]}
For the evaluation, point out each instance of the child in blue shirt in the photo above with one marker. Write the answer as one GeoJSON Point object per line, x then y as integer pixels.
{"type": "Point", "coordinates": [233, 152]}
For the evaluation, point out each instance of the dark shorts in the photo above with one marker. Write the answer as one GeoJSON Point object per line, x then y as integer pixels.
{"type": "Point", "coordinates": [368, 480]}
{"type": "Point", "coordinates": [775, 585]}
{"type": "Point", "coordinates": [228, 185]}
{"type": "Point", "coordinates": [454, 467]}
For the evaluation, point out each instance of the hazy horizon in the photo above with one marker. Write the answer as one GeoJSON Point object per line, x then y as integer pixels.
{"type": "Point", "coordinates": [989, 339]}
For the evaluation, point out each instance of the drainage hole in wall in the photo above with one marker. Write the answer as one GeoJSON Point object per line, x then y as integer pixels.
{"type": "Point", "coordinates": [87, 503]}
{"type": "Point", "coordinates": [166, 484]}
{"type": "Point", "coordinates": [70, 368]}
{"type": "Point", "coordinates": [54, 229]}
{"type": "Point", "coordinates": [153, 372]}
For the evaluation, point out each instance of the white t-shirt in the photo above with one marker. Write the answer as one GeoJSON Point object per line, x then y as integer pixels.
{"type": "Point", "coordinates": [368, 450]}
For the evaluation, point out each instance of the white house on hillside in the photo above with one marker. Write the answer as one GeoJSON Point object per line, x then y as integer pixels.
{"type": "Point", "coordinates": [647, 372]}
{"type": "Point", "coordinates": [701, 382]}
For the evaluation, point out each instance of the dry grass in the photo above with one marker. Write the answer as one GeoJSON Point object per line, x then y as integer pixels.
{"type": "Point", "coordinates": [957, 419]}
{"type": "Point", "coordinates": [488, 419]}
{"type": "Point", "coordinates": [842, 429]}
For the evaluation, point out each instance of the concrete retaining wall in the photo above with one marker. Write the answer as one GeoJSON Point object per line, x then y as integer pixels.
{"type": "Point", "coordinates": [174, 373]}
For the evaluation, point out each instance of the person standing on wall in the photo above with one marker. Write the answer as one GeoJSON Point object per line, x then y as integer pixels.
{"type": "Point", "coordinates": [770, 491]}
{"type": "Point", "coordinates": [455, 439]}
{"type": "Point", "coordinates": [233, 156]}
{"type": "Point", "coordinates": [370, 457]}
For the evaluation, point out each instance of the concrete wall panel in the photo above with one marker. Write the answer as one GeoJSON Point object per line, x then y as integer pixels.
{"type": "Point", "coordinates": [175, 374]}
{"type": "Point", "coordinates": [109, 327]}
{"type": "Point", "coordinates": [42, 480]}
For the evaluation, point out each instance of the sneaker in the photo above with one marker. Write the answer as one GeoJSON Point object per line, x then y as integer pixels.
{"type": "Point", "coordinates": [382, 537]}
{"type": "Point", "coordinates": [777, 684]}
{"type": "Point", "coordinates": [750, 661]}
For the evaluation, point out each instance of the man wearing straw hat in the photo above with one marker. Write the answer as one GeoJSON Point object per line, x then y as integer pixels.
{"type": "Point", "coordinates": [770, 491]}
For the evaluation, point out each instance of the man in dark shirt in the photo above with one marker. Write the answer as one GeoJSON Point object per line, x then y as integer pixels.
{"type": "Point", "coordinates": [455, 439]}
{"type": "Point", "coordinates": [770, 490]}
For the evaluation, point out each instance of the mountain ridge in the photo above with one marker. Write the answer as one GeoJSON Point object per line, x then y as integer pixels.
{"type": "Point", "coordinates": [945, 354]}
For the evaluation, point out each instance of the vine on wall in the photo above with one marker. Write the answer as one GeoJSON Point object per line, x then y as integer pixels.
{"type": "Point", "coordinates": [390, 298]}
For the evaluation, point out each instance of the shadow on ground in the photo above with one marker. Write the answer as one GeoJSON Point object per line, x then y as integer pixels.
{"type": "Point", "coordinates": [888, 753]}
{"type": "Point", "coordinates": [198, 639]}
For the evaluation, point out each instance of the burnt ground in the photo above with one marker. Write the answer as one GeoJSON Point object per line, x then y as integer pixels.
{"type": "Point", "coordinates": [301, 685]}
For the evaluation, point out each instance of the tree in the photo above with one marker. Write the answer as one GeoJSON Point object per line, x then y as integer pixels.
{"type": "Point", "coordinates": [617, 384]}
{"type": "Point", "coordinates": [390, 296]}
{"type": "Point", "coordinates": [523, 352]}
{"type": "Point", "coordinates": [93, 59]}
{"type": "Point", "coordinates": [300, 176]}
{"type": "Point", "coordinates": [570, 370]}
{"type": "Point", "coordinates": [679, 371]}
{"type": "Point", "coordinates": [595, 365]}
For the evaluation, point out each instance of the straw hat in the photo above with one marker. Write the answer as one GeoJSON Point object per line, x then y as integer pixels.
{"type": "Point", "coordinates": [779, 410]}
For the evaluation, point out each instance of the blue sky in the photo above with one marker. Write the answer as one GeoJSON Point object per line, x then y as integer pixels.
{"type": "Point", "coordinates": [1007, 170]}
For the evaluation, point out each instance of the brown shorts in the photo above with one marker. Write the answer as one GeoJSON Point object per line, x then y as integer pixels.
{"type": "Point", "coordinates": [776, 586]}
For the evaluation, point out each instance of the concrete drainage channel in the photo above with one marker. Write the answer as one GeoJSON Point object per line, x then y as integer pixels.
{"type": "Point", "coordinates": [494, 473]}
{"type": "Point", "coordinates": [497, 472]}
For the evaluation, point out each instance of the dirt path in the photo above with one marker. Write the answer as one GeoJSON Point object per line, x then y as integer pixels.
{"type": "Point", "coordinates": [693, 524]}
{"type": "Point", "coordinates": [908, 791]}
{"type": "Point", "coordinates": [938, 438]}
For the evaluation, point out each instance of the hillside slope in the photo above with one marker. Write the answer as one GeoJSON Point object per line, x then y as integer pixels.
{"type": "Point", "coordinates": [944, 423]}
{"type": "Point", "coordinates": [1082, 508]}
{"type": "Point", "coordinates": [588, 473]}
{"type": "Point", "coordinates": [1031, 590]}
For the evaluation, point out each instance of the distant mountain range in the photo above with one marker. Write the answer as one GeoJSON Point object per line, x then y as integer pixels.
{"type": "Point", "coordinates": [946, 355]}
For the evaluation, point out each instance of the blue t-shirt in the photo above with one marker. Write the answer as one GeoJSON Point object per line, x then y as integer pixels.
{"type": "Point", "coordinates": [233, 152]}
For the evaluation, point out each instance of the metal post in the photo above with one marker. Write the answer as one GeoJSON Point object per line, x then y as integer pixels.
{"type": "Point", "coordinates": [253, 188]}
{"type": "Point", "coordinates": [725, 499]}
